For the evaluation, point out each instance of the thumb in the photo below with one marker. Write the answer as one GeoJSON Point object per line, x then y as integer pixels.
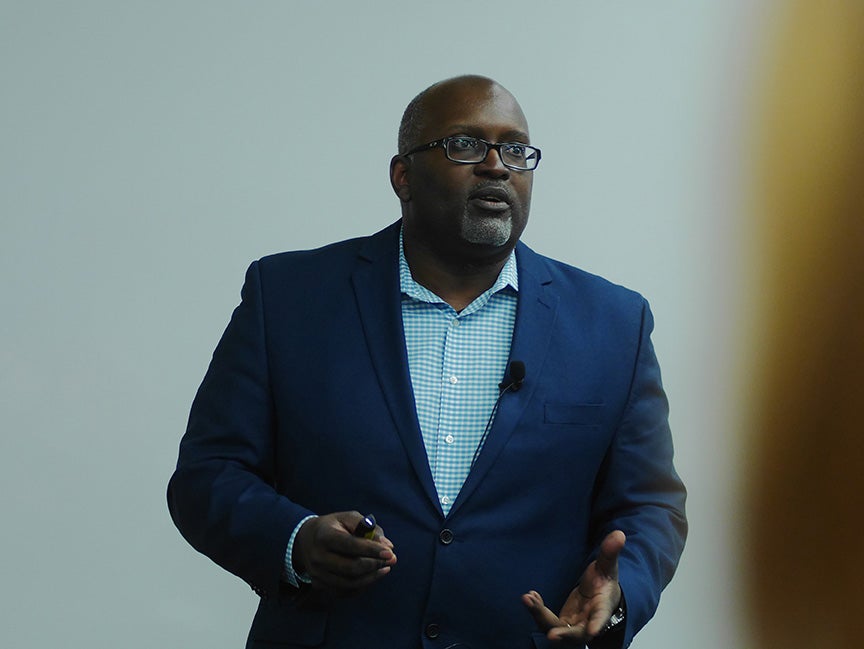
{"type": "Point", "coordinates": [607, 560]}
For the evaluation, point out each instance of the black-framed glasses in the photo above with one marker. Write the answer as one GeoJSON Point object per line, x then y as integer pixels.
{"type": "Point", "coordinates": [472, 150]}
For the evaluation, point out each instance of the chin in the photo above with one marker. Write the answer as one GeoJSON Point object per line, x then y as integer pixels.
{"type": "Point", "coordinates": [487, 231]}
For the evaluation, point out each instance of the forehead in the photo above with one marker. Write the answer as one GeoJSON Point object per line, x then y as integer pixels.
{"type": "Point", "coordinates": [486, 108]}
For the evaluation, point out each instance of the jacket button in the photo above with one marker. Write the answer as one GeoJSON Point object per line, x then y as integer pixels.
{"type": "Point", "coordinates": [432, 631]}
{"type": "Point", "coordinates": [446, 537]}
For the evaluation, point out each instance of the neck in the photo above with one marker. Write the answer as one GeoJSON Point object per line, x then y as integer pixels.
{"type": "Point", "coordinates": [457, 282]}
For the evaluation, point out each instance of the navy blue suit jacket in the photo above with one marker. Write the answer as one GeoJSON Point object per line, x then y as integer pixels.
{"type": "Point", "coordinates": [307, 408]}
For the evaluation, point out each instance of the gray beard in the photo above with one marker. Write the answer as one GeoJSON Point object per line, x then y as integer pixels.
{"type": "Point", "coordinates": [487, 231]}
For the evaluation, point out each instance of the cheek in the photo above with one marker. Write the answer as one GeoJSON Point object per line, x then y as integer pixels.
{"type": "Point", "coordinates": [523, 189]}
{"type": "Point", "coordinates": [441, 185]}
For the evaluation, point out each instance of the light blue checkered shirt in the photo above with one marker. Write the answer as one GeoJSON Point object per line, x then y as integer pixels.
{"type": "Point", "coordinates": [456, 361]}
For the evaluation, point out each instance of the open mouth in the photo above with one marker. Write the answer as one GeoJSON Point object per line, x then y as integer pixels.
{"type": "Point", "coordinates": [491, 199]}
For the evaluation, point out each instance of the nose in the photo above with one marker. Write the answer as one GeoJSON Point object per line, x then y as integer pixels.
{"type": "Point", "coordinates": [492, 167]}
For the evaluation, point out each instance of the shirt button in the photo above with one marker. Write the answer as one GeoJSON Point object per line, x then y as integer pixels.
{"type": "Point", "coordinates": [432, 631]}
{"type": "Point", "coordinates": [455, 322]}
{"type": "Point", "coordinates": [449, 439]}
{"type": "Point", "coordinates": [453, 380]}
{"type": "Point", "coordinates": [446, 537]}
{"type": "Point", "coordinates": [445, 500]}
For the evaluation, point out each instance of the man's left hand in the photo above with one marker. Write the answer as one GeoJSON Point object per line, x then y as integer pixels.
{"type": "Point", "coordinates": [590, 604]}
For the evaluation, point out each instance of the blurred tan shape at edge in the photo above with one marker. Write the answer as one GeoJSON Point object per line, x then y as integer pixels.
{"type": "Point", "coordinates": [804, 551]}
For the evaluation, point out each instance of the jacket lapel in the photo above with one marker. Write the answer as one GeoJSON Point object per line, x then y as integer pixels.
{"type": "Point", "coordinates": [376, 287]}
{"type": "Point", "coordinates": [535, 317]}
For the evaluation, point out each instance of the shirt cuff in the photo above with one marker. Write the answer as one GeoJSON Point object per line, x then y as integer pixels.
{"type": "Point", "coordinates": [288, 573]}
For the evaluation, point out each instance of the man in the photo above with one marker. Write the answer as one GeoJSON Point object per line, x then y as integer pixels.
{"type": "Point", "coordinates": [363, 377]}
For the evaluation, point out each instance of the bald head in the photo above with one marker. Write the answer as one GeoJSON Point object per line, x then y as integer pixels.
{"type": "Point", "coordinates": [417, 114]}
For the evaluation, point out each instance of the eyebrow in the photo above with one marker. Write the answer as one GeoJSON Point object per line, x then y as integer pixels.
{"type": "Point", "coordinates": [508, 136]}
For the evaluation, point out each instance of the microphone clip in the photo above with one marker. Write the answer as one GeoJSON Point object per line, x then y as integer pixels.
{"type": "Point", "coordinates": [515, 377]}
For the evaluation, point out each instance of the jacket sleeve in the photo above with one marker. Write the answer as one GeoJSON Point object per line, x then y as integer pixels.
{"type": "Point", "coordinates": [639, 491]}
{"type": "Point", "coordinates": [222, 496]}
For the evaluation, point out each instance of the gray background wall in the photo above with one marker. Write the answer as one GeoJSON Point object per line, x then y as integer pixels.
{"type": "Point", "coordinates": [149, 151]}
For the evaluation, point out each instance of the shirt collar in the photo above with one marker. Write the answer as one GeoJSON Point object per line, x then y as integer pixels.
{"type": "Point", "coordinates": [509, 276]}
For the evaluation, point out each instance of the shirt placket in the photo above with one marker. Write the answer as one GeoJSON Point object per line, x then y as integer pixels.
{"type": "Point", "coordinates": [452, 394]}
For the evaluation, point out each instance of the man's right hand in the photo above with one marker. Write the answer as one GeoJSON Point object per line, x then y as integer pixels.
{"type": "Point", "coordinates": [327, 551]}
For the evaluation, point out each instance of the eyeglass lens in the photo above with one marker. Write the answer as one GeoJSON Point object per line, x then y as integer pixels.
{"type": "Point", "coordinates": [469, 149]}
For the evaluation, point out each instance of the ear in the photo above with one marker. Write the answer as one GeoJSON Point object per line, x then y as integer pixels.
{"type": "Point", "coordinates": [399, 166]}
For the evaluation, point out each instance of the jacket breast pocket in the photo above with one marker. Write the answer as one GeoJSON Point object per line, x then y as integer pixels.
{"type": "Point", "coordinates": [573, 414]}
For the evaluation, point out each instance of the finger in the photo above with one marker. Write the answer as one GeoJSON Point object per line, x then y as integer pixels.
{"type": "Point", "coordinates": [570, 632]}
{"type": "Point", "coordinates": [338, 540]}
{"type": "Point", "coordinates": [352, 546]}
{"type": "Point", "coordinates": [388, 545]}
{"type": "Point", "coordinates": [383, 540]}
{"type": "Point", "coordinates": [544, 618]}
{"type": "Point", "coordinates": [348, 556]}
{"type": "Point", "coordinates": [607, 560]}
{"type": "Point", "coordinates": [350, 520]}
{"type": "Point", "coordinates": [341, 572]}
{"type": "Point", "coordinates": [341, 585]}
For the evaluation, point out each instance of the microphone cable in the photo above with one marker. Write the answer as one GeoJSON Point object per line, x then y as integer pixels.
{"type": "Point", "coordinates": [516, 374]}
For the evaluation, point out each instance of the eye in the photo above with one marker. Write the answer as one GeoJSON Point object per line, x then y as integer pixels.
{"type": "Point", "coordinates": [464, 143]}
{"type": "Point", "coordinates": [516, 150]}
